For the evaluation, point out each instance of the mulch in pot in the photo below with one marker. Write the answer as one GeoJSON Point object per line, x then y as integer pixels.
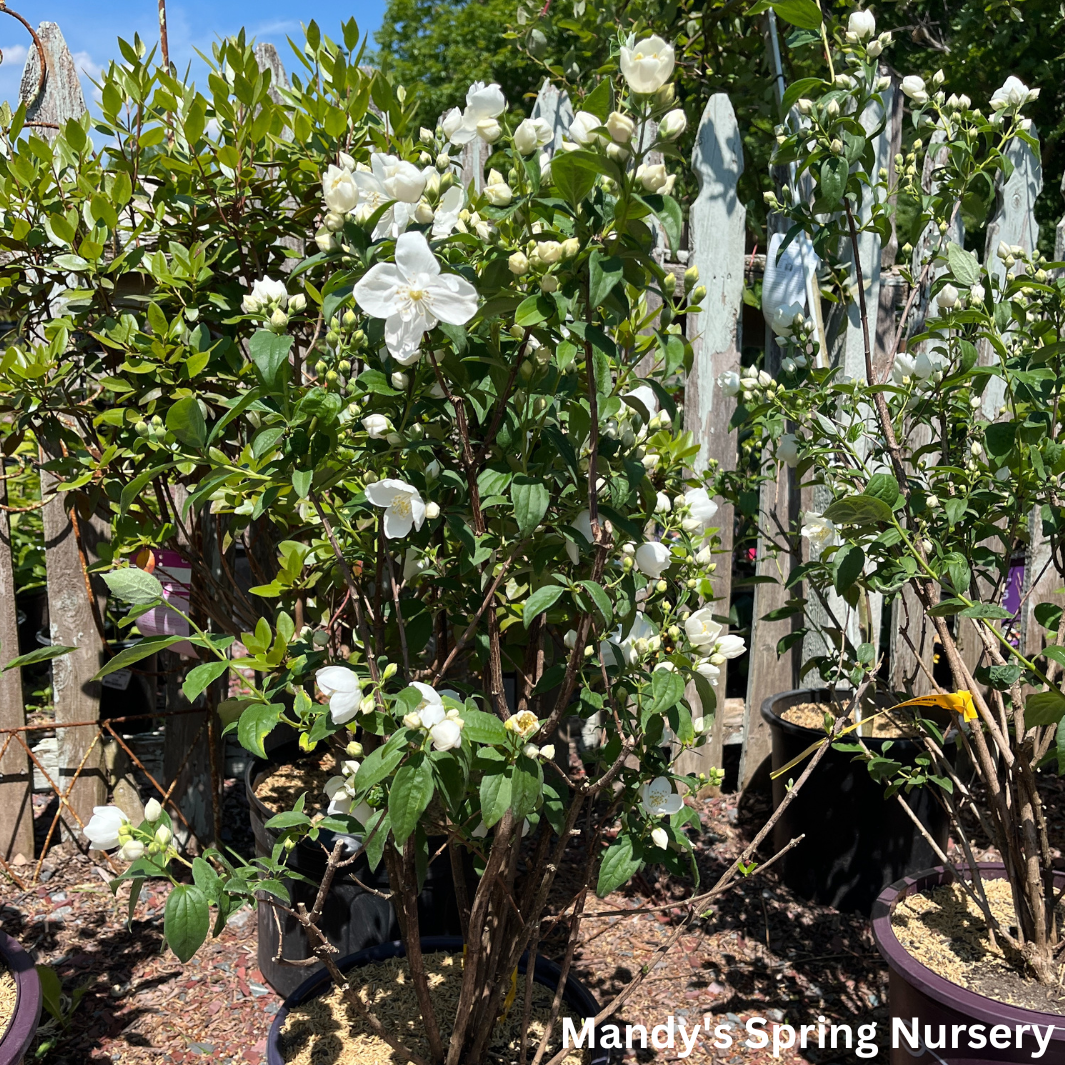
{"type": "Point", "coordinates": [945, 931]}
{"type": "Point", "coordinates": [8, 995]}
{"type": "Point", "coordinates": [882, 726]}
{"type": "Point", "coordinates": [285, 783]}
{"type": "Point", "coordinates": [328, 1028]}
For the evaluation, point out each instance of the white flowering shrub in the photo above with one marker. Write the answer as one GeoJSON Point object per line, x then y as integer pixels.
{"type": "Point", "coordinates": [459, 417]}
{"type": "Point", "coordinates": [939, 467]}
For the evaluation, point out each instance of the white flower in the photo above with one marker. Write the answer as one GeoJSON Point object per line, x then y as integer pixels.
{"type": "Point", "coordinates": [339, 190]}
{"type": "Point", "coordinates": [264, 295]}
{"type": "Point", "coordinates": [532, 133]}
{"type": "Point", "coordinates": [489, 130]}
{"type": "Point", "coordinates": [341, 794]}
{"type": "Point", "coordinates": [620, 127]}
{"type": "Point", "coordinates": [729, 382]}
{"type": "Point", "coordinates": [530, 750]}
{"type": "Point", "coordinates": [402, 504]}
{"type": "Point", "coordinates": [730, 646]}
{"type": "Point", "coordinates": [583, 524]}
{"type": "Point", "coordinates": [659, 799]}
{"type": "Point", "coordinates": [652, 176]}
{"type": "Point", "coordinates": [344, 690]}
{"type": "Point", "coordinates": [496, 190]}
{"type": "Point", "coordinates": [660, 838]}
{"type": "Point", "coordinates": [699, 724]}
{"type": "Point", "coordinates": [545, 168]}
{"type": "Point", "coordinates": [788, 449]}
{"type": "Point", "coordinates": [451, 122]}
{"type": "Point", "coordinates": [377, 425]}
{"type": "Point", "coordinates": [446, 734]}
{"type": "Point", "coordinates": [103, 828]}
{"type": "Point", "coordinates": [947, 297]}
{"type": "Point", "coordinates": [483, 103]}
{"type": "Point", "coordinates": [1012, 95]}
{"type": "Point", "coordinates": [326, 240]}
{"type": "Point", "coordinates": [653, 558]}
{"type": "Point", "coordinates": [902, 369]}
{"type": "Point", "coordinates": [701, 510]}
{"type": "Point", "coordinates": [621, 651]}
{"type": "Point", "coordinates": [518, 263]}
{"type": "Point", "coordinates": [549, 251]}
{"type": "Point", "coordinates": [913, 86]}
{"type": "Point", "coordinates": [862, 24]}
{"type": "Point", "coordinates": [412, 295]}
{"type": "Point", "coordinates": [582, 129]}
{"type": "Point", "coordinates": [645, 396]}
{"type": "Point", "coordinates": [663, 505]}
{"type": "Point", "coordinates": [446, 216]}
{"type": "Point", "coordinates": [153, 810]}
{"type": "Point", "coordinates": [708, 670]}
{"type": "Point", "coordinates": [819, 531]}
{"type": "Point", "coordinates": [648, 65]}
{"type": "Point", "coordinates": [702, 630]}
{"type": "Point", "coordinates": [673, 125]}
{"type": "Point", "coordinates": [570, 639]}
{"type": "Point", "coordinates": [524, 724]}
{"type": "Point", "coordinates": [784, 281]}
{"type": "Point", "coordinates": [131, 850]}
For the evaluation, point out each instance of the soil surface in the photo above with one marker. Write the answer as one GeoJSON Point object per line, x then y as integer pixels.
{"type": "Point", "coordinates": [8, 995]}
{"type": "Point", "coordinates": [330, 1029]}
{"type": "Point", "coordinates": [945, 931]}
{"type": "Point", "coordinates": [760, 952]}
{"type": "Point", "coordinates": [284, 784]}
{"type": "Point", "coordinates": [881, 726]}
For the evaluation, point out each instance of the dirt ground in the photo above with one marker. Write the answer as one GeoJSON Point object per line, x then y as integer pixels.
{"type": "Point", "coordinates": [762, 953]}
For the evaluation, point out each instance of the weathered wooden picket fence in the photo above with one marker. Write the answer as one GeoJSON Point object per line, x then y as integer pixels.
{"type": "Point", "coordinates": [717, 244]}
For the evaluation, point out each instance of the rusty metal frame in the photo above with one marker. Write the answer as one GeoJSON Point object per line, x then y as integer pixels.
{"type": "Point", "coordinates": [8, 735]}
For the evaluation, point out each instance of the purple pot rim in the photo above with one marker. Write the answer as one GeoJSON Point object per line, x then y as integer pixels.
{"type": "Point", "coordinates": [15, 1041]}
{"type": "Point", "coordinates": [984, 1009]}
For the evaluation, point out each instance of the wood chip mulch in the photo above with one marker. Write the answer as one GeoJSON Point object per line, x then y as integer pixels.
{"type": "Point", "coordinates": [762, 952]}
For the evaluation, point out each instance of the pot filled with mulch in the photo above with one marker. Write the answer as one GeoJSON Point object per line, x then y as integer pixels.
{"type": "Point", "coordinates": [856, 840]}
{"type": "Point", "coordinates": [357, 912]}
{"type": "Point", "coordinates": [20, 1001]}
{"type": "Point", "coordinates": [316, 1023]}
{"type": "Point", "coordinates": [954, 995]}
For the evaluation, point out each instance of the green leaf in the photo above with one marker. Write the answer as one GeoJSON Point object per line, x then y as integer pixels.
{"type": "Point", "coordinates": [185, 421]}
{"type": "Point", "coordinates": [833, 179]}
{"type": "Point", "coordinates": [604, 273]}
{"type": "Point", "coordinates": [533, 311]}
{"type": "Point", "coordinates": [600, 599]}
{"type": "Point", "coordinates": [495, 796]}
{"type": "Point", "coordinates": [542, 599]}
{"type": "Point", "coordinates": [668, 212]}
{"type": "Point", "coordinates": [531, 500]}
{"type": "Point", "coordinates": [525, 787]}
{"type": "Point", "coordinates": [802, 13]}
{"type": "Point", "coordinates": [667, 689]}
{"type": "Point", "coordinates": [883, 486]}
{"type": "Point", "coordinates": [51, 992]}
{"type": "Point", "coordinates": [269, 353]}
{"type": "Point", "coordinates": [1044, 708]}
{"type": "Point", "coordinates": [797, 89]}
{"type": "Point", "coordinates": [850, 561]}
{"type": "Point", "coordinates": [255, 724]}
{"type": "Point", "coordinates": [377, 765]}
{"type": "Point", "coordinates": [600, 100]}
{"type": "Point", "coordinates": [859, 510]}
{"type": "Point", "coordinates": [200, 677]}
{"type": "Point", "coordinates": [411, 790]}
{"type": "Point", "coordinates": [133, 585]}
{"type": "Point", "coordinates": [206, 879]}
{"type": "Point", "coordinates": [375, 846]}
{"type": "Point", "coordinates": [141, 649]}
{"type": "Point", "coordinates": [985, 610]}
{"type": "Point", "coordinates": [963, 265]}
{"type": "Point", "coordinates": [573, 176]}
{"type": "Point", "coordinates": [186, 920]}
{"type": "Point", "coordinates": [42, 654]}
{"type": "Point", "coordinates": [1055, 654]}
{"type": "Point", "coordinates": [483, 728]}
{"type": "Point", "coordinates": [132, 491]}
{"type": "Point", "coordinates": [620, 863]}
{"type": "Point", "coordinates": [999, 438]}
{"type": "Point", "coordinates": [288, 819]}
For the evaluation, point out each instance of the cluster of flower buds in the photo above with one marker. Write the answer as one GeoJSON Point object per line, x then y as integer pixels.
{"type": "Point", "coordinates": [271, 300]}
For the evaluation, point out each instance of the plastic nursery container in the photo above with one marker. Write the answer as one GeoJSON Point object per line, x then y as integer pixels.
{"type": "Point", "coordinates": [15, 1040]}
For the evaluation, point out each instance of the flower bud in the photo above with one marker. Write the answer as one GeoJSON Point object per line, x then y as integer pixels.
{"type": "Point", "coordinates": [131, 850]}
{"type": "Point", "coordinates": [432, 510]}
{"type": "Point", "coordinates": [548, 283]}
{"type": "Point", "coordinates": [423, 213]}
{"type": "Point", "coordinates": [669, 285]}
{"type": "Point", "coordinates": [691, 276]}
{"type": "Point", "coordinates": [699, 294]}
{"type": "Point", "coordinates": [400, 381]}
{"type": "Point", "coordinates": [620, 127]}
{"type": "Point", "coordinates": [298, 303]}
{"type": "Point", "coordinates": [390, 671]}
{"type": "Point", "coordinates": [278, 320]}
{"type": "Point", "coordinates": [518, 263]}
{"type": "Point", "coordinates": [163, 835]}
{"type": "Point", "coordinates": [673, 125]}
{"type": "Point", "coordinates": [153, 810]}
{"type": "Point", "coordinates": [570, 248]}
{"type": "Point", "coordinates": [549, 251]}
{"type": "Point", "coordinates": [412, 720]}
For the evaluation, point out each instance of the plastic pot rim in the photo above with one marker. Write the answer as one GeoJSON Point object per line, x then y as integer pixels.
{"type": "Point", "coordinates": [16, 1039]}
{"type": "Point", "coordinates": [547, 973]}
{"type": "Point", "coordinates": [981, 1008]}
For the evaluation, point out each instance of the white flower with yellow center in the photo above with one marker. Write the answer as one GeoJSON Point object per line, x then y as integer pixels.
{"type": "Point", "coordinates": [412, 295]}
{"type": "Point", "coordinates": [403, 506]}
{"type": "Point", "coordinates": [343, 689]}
{"type": "Point", "coordinates": [647, 65]}
{"type": "Point", "coordinates": [659, 799]}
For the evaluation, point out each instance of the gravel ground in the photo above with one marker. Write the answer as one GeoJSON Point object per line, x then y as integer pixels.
{"type": "Point", "coordinates": [761, 953]}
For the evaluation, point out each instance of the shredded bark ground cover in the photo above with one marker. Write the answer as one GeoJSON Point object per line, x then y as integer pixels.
{"type": "Point", "coordinates": [763, 953]}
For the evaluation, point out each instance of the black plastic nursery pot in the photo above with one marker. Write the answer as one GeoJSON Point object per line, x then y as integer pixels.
{"type": "Point", "coordinates": [353, 918]}
{"type": "Point", "coordinates": [576, 996]}
{"type": "Point", "coordinates": [937, 1005]}
{"type": "Point", "coordinates": [856, 841]}
{"type": "Point", "coordinates": [16, 1038]}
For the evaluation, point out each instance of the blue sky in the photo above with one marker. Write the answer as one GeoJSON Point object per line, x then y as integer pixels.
{"type": "Point", "coordinates": [91, 29]}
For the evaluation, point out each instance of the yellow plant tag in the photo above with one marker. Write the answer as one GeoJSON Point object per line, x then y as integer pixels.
{"type": "Point", "coordinates": [960, 702]}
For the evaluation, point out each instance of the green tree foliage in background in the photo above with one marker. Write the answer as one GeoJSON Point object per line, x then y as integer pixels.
{"type": "Point", "coordinates": [437, 48]}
